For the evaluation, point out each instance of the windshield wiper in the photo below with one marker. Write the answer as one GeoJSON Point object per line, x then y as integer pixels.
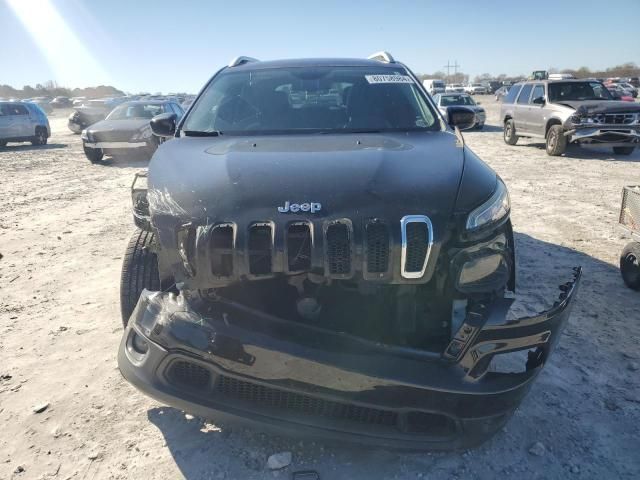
{"type": "Point", "coordinates": [201, 133]}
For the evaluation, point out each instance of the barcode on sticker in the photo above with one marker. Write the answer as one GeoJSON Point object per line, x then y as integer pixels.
{"type": "Point", "coordinates": [388, 79]}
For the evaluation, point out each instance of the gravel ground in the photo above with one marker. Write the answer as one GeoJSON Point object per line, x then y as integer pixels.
{"type": "Point", "coordinates": [64, 224]}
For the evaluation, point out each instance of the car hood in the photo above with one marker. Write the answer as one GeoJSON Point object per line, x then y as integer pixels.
{"type": "Point", "coordinates": [119, 125]}
{"type": "Point", "coordinates": [246, 179]}
{"type": "Point", "coordinates": [600, 106]}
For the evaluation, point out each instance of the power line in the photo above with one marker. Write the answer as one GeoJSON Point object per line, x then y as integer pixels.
{"type": "Point", "coordinates": [449, 66]}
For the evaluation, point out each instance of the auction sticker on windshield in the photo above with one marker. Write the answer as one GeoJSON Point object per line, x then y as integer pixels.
{"type": "Point", "coordinates": [388, 79]}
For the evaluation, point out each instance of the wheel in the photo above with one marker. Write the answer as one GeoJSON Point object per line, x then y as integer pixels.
{"type": "Point", "coordinates": [41, 137]}
{"type": "Point", "coordinates": [93, 154]}
{"type": "Point", "coordinates": [480, 126]}
{"type": "Point", "coordinates": [630, 265]}
{"type": "Point", "coordinates": [556, 141]}
{"type": "Point", "coordinates": [139, 271]}
{"type": "Point", "coordinates": [510, 136]}
{"type": "Point", "coordinates": [623, 150]}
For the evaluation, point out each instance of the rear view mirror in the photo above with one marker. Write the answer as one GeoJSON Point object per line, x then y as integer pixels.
{"type": "Point", "coordinates": [461, 117]}
{"type": "Point", "coordinates": [164, 125]}
{"type": "Point", "coordinates": [538, 101]}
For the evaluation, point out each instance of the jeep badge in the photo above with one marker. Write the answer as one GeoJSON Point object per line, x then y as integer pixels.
{"type": "Point", "coordinates": [312, 207]}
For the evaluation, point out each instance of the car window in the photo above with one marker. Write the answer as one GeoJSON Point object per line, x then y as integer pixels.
{"type": "Point", "coordinates": [179, 111]}
{"type": "Point", "coordinates": [524, 94]}
{"type": "Point", "coordinates": [135, 111]}
{"type": "Point", "coordinates": [538, 91]}
{"type": "Point", "coordinates": [300, 100]}
{"type": "Point", "coordinates": [567, 91]}
{"type": "Point", "coordinates": [513, 93]}
{"type": "Point", "coordinates": [436, 98]}
{"type": "Point", "coordinates": [448, 100]}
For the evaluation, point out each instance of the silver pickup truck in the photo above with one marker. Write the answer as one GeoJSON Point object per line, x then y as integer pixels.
{"type": "Point", "coordinates": [570, 111]}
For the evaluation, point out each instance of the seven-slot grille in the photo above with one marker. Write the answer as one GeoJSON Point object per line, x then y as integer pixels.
{"type": "Point", "coordinates": [617, 118]}
{"type": "Point", "coordinates": [339, 244]}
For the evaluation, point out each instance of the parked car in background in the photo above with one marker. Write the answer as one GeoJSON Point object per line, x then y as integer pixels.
{"type": "Point", "coordinates": [619, 93]}
{"type": "Point", "coordinates": [23, 122]}
{"type": "Point", "coordinates": [434, 85]}
{"type": "Point", "coordinates": [454, 87]}
{"type": "Point", "coordinates": [90, 112]}
{"type": "Point", "coordinates": [43, 102]}
{"type": "Point", "coordinates": [635, 81]}
{"type": "Point", "coordinates": [501, 92]}
{"type": "Point", "coordinates": [570, 111]}
{"type": "Point", "coordinates": [61, 102]}
{"type": "Point", "coordinates": [492, 86]}
{"type": "Point", "coordinates": [445, 100]}
{"type": "Point", "coordinates": [475, 89]}
{"type": "Point", "coordinates": [629, 88]}
{"type": "Point", "coordinates": [126, 130]}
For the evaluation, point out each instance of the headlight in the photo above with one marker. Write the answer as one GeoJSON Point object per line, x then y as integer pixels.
{"type": "Point", "coordinates": [143, 134]}
{"type": "Point", "coordinates": [494, 209]}
{"type": "Point", "coordinates": [84, 135]}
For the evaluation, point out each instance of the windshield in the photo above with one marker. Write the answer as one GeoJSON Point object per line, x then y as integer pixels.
{"type": "Point", "coordinates": [318, 99]}
{"type": "Point", "coordinates": [135, 110]}
{"type": "Point", "coordinates": [448, 100]}
{"type": "Point", "coordinates": [559, 92]}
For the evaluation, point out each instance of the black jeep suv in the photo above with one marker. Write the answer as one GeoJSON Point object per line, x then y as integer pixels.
{"type": "Point", "coordinates": [321, 253]}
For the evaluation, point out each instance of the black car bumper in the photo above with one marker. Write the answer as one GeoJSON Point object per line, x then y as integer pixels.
{"type": "Point", "coordinates": [227, 362]}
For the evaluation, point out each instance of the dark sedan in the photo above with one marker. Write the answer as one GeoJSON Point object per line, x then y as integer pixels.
{"type": "Point", "coordinates": [126, 130]}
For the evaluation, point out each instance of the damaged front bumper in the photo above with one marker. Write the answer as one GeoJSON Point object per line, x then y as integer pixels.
{"type": "Point", "coordinates": [225, 361]}
{"type": "Point", "coordinates": [610, 136]}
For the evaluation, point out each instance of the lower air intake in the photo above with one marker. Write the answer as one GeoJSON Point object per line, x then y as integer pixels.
{"type": "Point", "coordinates": [187, 374]}
{"type": "Point", "coordinates": [281, 399]}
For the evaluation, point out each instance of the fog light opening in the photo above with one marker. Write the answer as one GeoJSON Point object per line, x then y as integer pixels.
{"type": "Point", "coordinates": [138, 344]}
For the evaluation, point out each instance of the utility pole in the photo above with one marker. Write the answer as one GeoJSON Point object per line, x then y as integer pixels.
{"type": "Point", "coordinates": [449, 66]}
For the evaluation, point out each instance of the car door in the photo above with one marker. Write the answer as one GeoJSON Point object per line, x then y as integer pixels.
{"type": "Point", "coordinates": [537, 114]}
{"type": "Point", "coordinates": [521, 109]}
{"type": "Point", "coordinates": [22, 122]}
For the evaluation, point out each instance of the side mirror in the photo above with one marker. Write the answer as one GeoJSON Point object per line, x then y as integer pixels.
{"type": "Point", "coordinates": [538, 101]}
{"type": "Point", "coordinates": [164, 125]}
{"type": "Point", "coordinates": [461, 117]}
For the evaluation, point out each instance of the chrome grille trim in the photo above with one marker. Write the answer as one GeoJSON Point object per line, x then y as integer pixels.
{"type": "Point", "coordinates": [403, 259]}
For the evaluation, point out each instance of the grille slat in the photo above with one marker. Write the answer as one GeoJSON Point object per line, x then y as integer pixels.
{"type": "Point", "coordinates": [281, 399]}
{"type": "Point", "coordinates": [260, 249]}
{"type": "Point", "coordinates": [222, 250]}
{"type": "Point", "coordinates": [338, 249]}
{"type": "Point", "coordinates": [299, 247]}
{"type": "Point", "coordinates": [377, 235]}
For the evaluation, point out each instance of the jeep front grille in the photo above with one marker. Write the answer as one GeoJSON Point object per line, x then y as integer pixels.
{"type": "Point", "coordinates": [335, 249]}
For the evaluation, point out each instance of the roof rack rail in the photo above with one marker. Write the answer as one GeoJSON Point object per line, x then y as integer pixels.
{"type": "Point", "coordinates": [382, 56]}
{"type": "Point", "coordinates": [241, 61]}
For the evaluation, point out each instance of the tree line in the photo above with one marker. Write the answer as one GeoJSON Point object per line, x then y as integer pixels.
{"type": "Point", "coordinates": [628, 69]}
{"type": "Point", "coordinates": [52, 89]}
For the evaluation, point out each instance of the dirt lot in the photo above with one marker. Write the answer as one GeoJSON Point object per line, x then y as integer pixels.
{"type": "Point", "coordinates": [64, 224]}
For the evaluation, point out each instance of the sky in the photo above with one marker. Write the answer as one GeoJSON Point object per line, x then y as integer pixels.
{"type": "Point", "coordinates": [176, 46]}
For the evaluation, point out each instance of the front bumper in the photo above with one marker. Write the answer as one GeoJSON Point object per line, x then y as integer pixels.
{"type": "Point", "coordinates": [226, 361]}
{"type": "Point", "coordinates": [610, 136]}
{"type": "Point", "coordinates": [116, 145]}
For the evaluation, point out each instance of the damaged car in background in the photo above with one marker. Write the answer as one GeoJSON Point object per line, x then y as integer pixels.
{"type": "Point", "coordinates": [126, 130]}
{"type": "Point", "coordinates": [318, 252]}
{"type": "Point", "coordinates": [570, 111]}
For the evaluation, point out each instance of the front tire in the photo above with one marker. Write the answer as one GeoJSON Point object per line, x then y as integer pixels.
{"type": "Point", "coordinates": [139, 271]}
{"type": "Point", "coordinates": [509, 134]}
{"type": "Point", "coordinates": [623, 150]}
{"type": "Point", "coordinates": [40, 138]}
{"type": "Point", "coordinates": [94, 155]}
{"type": "Point", "coordinates": [556, 141]}
{"type": "Point", "coordinates": [630, 265]}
